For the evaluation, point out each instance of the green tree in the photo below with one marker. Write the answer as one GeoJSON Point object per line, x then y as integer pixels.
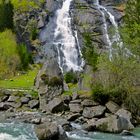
{"type": "Point", "coordinates": [6, 15]}
{"type": "Point", "coordinates": [131, 28]}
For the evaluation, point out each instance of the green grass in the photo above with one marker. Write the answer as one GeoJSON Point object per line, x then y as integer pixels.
{"type": "Point", "coordinates": [24, 81]}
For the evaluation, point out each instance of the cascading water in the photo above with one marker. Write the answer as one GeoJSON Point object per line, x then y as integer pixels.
{"type": "Point", "coordinates": [66, 41]}
{"type": "Point", "coordinates": [116, 36]}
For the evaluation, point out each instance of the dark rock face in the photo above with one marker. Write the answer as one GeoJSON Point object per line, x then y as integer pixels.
{"type": "Point", "coordinates": [90, 112]}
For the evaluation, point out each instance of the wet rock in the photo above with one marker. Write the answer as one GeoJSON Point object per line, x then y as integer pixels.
{"type": "Point", "coordinates": [89, 103]}
{"type": "Point", "coordinates": [36, 121]}
{"type": "Point", "coordinates": [57, 105]}
{"type": "Point", "coordinates": [126, 133]}
{"type": "Point", "coordinates": [41, 23]}
{"type": "Point", "coordinates": [47, 131]}
{"type": "Point", "coordinates": [112, 107]}
{"type": "Point", "coordinates": [75, 108]}
{"type": "Point", "coordinates": [97, 111]}
{"type": "Point", "coordinates": [33, 104]}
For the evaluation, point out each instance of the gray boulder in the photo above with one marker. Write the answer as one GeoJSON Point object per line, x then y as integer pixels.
{"type": "Point", "coordinates": [113, 124]}
{"type": "Point", "coordinates": [47, 131]}
{"type": "Point", "coordinates": [91, 112]}
{"type": "Point", "coordinates": [33, 104]}
{"type": "Point", "coordinates": [112, 107]}
{"type": "Point", "coordinates": [24, 100]}
{"type": "Point", "coordinates": [89, 103]}
{"type": "Point", "coordinates": [13, 98]}
{"type": "Point", "coordinates": [57, 105]}
{"type": "Point", "coordinates": [75, 108]}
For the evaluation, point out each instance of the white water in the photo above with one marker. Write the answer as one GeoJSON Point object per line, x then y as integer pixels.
{"type": "Point", "coordinates": [66, 41]}
{"type": "Point", "coordinates": [116, 36]}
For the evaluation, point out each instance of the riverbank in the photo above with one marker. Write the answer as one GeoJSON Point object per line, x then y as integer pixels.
{"type": "Point", "coordinates": [63, 111]}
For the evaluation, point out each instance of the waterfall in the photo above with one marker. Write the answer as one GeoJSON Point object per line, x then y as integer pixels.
{"type": "Point", "coordinates": [66, 40]}
{"type": "Point", "coordinates": [116, 36]}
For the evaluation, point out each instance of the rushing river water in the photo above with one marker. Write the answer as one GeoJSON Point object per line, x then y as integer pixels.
{"type": "Point", "coordinates": [21, 131]}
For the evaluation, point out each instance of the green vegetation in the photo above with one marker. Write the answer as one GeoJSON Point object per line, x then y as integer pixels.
{"type": "Point", "coordinates": [26, 5]}
{"type": "Point", "coordinates": [89, 52]}
{"type": "Point", "coordinates": [24, 81]}
{"type": "Point", "coordinates": [6, 15]}
{"type": "Point", "coordinates": [25, 56]}
{"type": "Point", "coordinates": [71, 77]}
{"type": "Point", "coordinates": [9, 57]}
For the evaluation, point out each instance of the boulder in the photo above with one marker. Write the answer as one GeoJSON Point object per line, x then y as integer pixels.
{"type": "Point", "coordinates": [112, 107]}
{"type": "Point", "coordinates": [126, 133]}
{"type": "Point", "coordinates": [57, 105]}
{"type": "Point", "coordinates": [89, 103]}
{"type": "Point", "coordinates": [48, 131]}
{"type": "Point", "coordinates": [91, 112]}
{"type": "Point", "coordinates": [76, 101]}
{"type": "Point", "coordinates": [113, 124]}
{"type": "Point", "coordinates": [67, 99]}
{"type": "Point", "coordinates": [73, 117]}
{"type": "Point", "coordinates": [75, 108]}
{"type": "Point", "coordinates": [33, 104]}
{"type": "Point", "coordinates": [75, 96]}
{"type": "Point", "coordinates": [24, 100]}
{"type": "Point", "coordinates": [4, 106]}
{"type": "Point", "coordinates": [13, 98]}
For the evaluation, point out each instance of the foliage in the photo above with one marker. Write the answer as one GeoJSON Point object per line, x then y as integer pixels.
{"type": "Point", "coordinates": [89, 52]}
{"type": "Point", "coordinates": [6, 15]}
{"type": "Point", "coordinates": [118, 78]}
{"type": "Point", "coordinates": [55, 81]}
{"type": "Point", "coordinates": [9, 58]}
{"type": "Point", "coordinates": [71, 77]}
{"type": "Point", "coordinates": [25, 56]}
{"type": "Point", "coordinates": [131, 29]}
{"type": "Point", "coordinates": [26, 5]}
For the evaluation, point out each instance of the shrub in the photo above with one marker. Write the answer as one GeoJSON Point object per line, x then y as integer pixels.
{"type": "Point", "coordinates": [25, 56]}
{"type": "Point", "coordinates": [55, 81]}
{"type": "Point", "coordinates": [71, 77]}
{"type": "Point", "coordinates": [118, 78]}
{"type": "Point", "coordinates": [9, 57]}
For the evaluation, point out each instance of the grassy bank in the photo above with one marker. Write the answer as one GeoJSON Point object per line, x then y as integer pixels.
{"type": "Point", "coordinates": [24, 81]}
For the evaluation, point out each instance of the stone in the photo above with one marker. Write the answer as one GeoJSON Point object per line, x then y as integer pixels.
{"type": "Point", "coordinates": [75, 96]}
{"type": "Point", "coordinates": [76, 101]}
{"type": "Point", "coordinates": [113, 124]}
{"type": "Point", "coordinates": [13, 98]}
{"type": "Point", "coordinates": [47, 131]}
{"type": "Point", "coordinates": [4, 106]}
{"type": "Point", "coordinates": [57, 105]}
{"type": "Point", "coordinates": [90, 125]}
{"type": "Point", "coordinates": [75, 108]}
{"type": "Point", "coordinates": [36, 121]}
{"type": "Point", "coordinates": [67, 99]}
{"type": "Point", "coordinates": [89, 103]}
{"type": "Point", "coordinates": [33, 104]}
{"type": "Point", "coordinates": [126, 133]}
{"type": "Point", "coordinates": [112, 107]}
{"type": "Point", "coordinates": [73, 117]}
{"type": "Point", "coordinates": [4, 98]}
{"type": "Point", "coordinates": [24, 100]}
{"type": "Point", "coordinates": [97, 111]}
{"type": "Point", "coordinates": [41, 23]}
{"type": "Point", "coordinates": [124, 113]}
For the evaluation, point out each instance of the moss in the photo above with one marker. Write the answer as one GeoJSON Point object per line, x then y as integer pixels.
{"type": "Point", "coordinates": [55, 81]}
